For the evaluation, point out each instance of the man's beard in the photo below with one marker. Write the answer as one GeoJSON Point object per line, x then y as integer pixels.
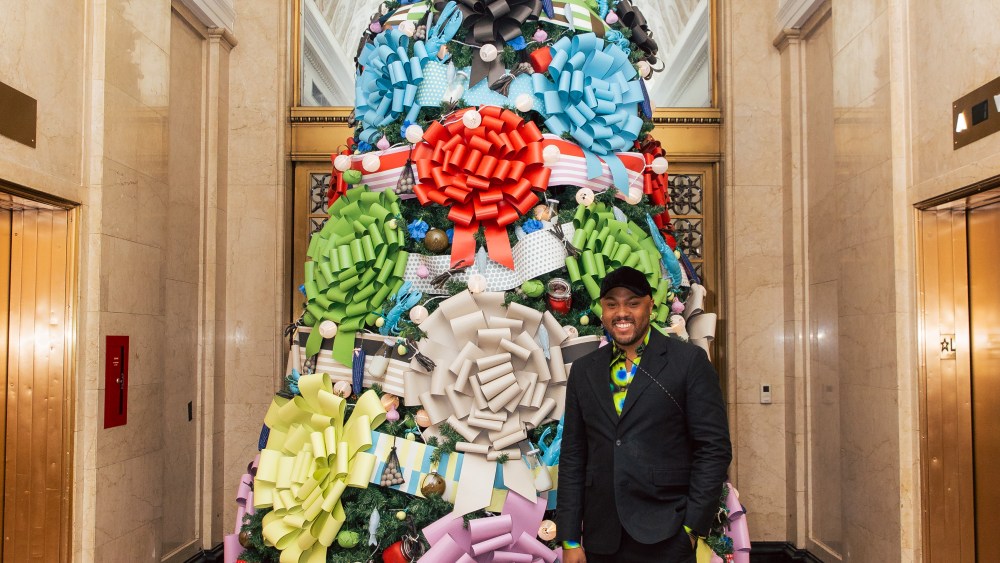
{"type": "Point", "coordinates": [640, 331]}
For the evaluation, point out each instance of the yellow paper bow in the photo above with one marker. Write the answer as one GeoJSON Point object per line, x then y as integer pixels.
{"type": "Point", "coordinates": [311, 457]}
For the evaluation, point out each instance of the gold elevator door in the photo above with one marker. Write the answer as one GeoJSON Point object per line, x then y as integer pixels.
{"type": "Point", "coordinates": [984, 340]}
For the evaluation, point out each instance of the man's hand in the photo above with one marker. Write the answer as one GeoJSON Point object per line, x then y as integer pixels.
{"type": "Point", "coordinates": [575, 555]}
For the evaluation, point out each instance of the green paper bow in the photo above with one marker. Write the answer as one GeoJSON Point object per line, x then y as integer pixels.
{"type": "Point", "coordinates": [607, 244]}
{"type": "Point", "coordinates": [356, 263]}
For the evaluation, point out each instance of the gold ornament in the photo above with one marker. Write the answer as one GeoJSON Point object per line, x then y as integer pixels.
{"type": "Point", "coordinates": [433, 485]}
{"type": "Point", "coordinates": [422, 419]}
{"type": "Point", "coordinates": [542, 212]}
{"type": "Point", "coordinates": [245, 538]}
{"type": "Point", "coordinates": [389, 401]}
{"type": "Point", "coordinates": [436, 240]}
{"type": "Point", "coordinates": [547, 531]}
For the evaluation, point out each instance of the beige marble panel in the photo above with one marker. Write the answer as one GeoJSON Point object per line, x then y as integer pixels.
{"type": "Point", "coordinates": [140, 544]}
{"type": "Point", "coordinates": [146, 350]}
{"type": "Point", "coordinates": [134, 205]}
{"type": "Point", "coordinates": [135, 134]}
{"type": "Point", "coordinates": [136, 487]}
{"type": "Point", "coordinates": [141, 436]}
{"type": "Point", "coordinates": [151, 19]}
{"type": "Point", "coordinates": [867, 64]}
{"type": "Point", "coordinates": [851, 17]}
{"type": "Point", "coordinates": [867, 282]}
{"type": "Point", "coordinates": [136, 65]}
{"type": "Point", "coordinates": [131, 277]}
{"type": "Point", "coordinates": [26, 38]}
{"type": "Point", "coordinates": [761, 472]}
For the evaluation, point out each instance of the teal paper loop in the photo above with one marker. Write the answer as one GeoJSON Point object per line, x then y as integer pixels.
{"type": "Point", "coordinates": [353, 267]}
{"type": "Point", "coordinates": [608, 244]}
{"type": "Point", "coordinates": [592, 92]}
{"type": "Point", "coordinates": [387, 87]}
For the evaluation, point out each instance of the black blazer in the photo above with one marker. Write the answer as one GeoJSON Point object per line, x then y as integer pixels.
{"type": "Point", "coordinates": [659, 466]}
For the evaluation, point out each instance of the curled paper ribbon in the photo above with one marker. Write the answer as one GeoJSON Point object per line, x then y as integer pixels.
{"type": "Point", "coordinates": [633, 19]}
{"type": "Point", "coordinates": [311, 457]}
{"type": "Point", "coordinates": [507, 538]}
{"type": "Point", "coordinates": [576, 15]}
{"type": "Point", "coordinates": [356, 263]}
{"type": "Point", "coordinates": [493, 22]}
{"type": "Point", "coordinates": [593, 96]}
{"type": "Point", "coordinates": [387, 87]}
{"type": "Point", "coordinates": [606, 244]}
{"type": "Point", "coordinates": [486, 175]}
{"type": "Point", "coordinates": [655, 186]}
{"type": "Point", "coordinates": [244, 507]}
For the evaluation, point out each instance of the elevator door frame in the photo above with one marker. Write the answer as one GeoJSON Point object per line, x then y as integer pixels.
{"type": "Point", "coordinates": [945, 375]}
{"type": "Point", "coordinates": [17, 199]}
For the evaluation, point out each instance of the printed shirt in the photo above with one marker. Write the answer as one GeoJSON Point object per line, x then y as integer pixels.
{"type": "Point", "coordinates": [621, 377]}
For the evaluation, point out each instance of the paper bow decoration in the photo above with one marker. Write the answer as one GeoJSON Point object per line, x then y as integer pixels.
{"type": "Point", "coordinates": [509, 537]}
{"type": "Point", "coordinates": [387, 87]}
{"type": "Point", "coordinates": [311, 457]}
{"type": "Point", "coordinates": [593, 96]}
{"type": "Point", "coordinates": [607, 244]}
{"type": "Point", "coordinates": [231, 546]}
{"type": "Point", "coordinates": [492, 384]}
{"type": "Point", "coordinates": [656, 186]}
{"type": "Point", "coordinates": [633, 19]}
{"type": "Point", "coordinates": [493, 22]}
{"type": "Point", "coordinates": [737, 531]}
{"type": "Point", "coordinates": [700, 325]}
{"type": "Point", "coordinates": [356, 263]}
{"type": "Point", "coordinates": [486, 175]}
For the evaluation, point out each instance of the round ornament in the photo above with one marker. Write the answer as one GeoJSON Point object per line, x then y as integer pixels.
{"type": "Point", "coordinates": [383, 143]}
{"type": "Point", "coordinates": [436, 240]}
{"type": "Point", "coordinates": [634, 196]}
{"type": "Point", "coordinates": [488, 53]}
{"type": "Point", "coordinates": [375, 27]}
{"type": "Point", "coordinates": [342, 389]}
{"type": "Point", "coordinates": [342, 162]}
{"type": "Point", "coordinates": [585, 320]}
{"type": "Point", "coordinates": [524, 102]}
{"type": "Point", "coordinates": [551, 154]}
{"type": "Point", "coordinates": [542, 212]}
{"type": "Point", "coordinates": [422, 419]}
{"type": "Point", "coordinates": [611, 18]}
{"type": "Point", "coordinates": [585, 197]}
{"type": "Point", "coordinates": [472, 119]}
{"type": "Point", "coordinates": [423, 272]}
{"type": "Point", "coordinates": [380, 322]}
{"type": "Point", "coordinates": [401, 350]}
{"type": "Point", "coordinates": [533, 288]}
{"type": "Point", "coordinates": [433, 485]}
{"type": "Point", "coordinates": [352, 176]}
{"type": "Point", "coordinates": [328, 329]}
{"type": "Point", "coordinates": [401, 515]}
{"type": "Point", "coordinates": [659, 165]}
{"type": "Point", "coordinates": [407, 28]}
{"type": "Point", "coordinates": [389, 401]}
{"type": "Point", "coordinates": [571, 331]}
{"type": "Point", "coordinates": [476, 283]}
{"type": "Point", "coordinates": [644, 69]}
{"type": "Point", "coordinates": [540, 35]}
{"type": "Point", "coordinates": [392, 415]}
{"type": "Point", "coordinates": [371, 163]}
{"type": "Point", "coordinates": [347, 539]}
{"type": "Point", "coordinates": [244, 538]}
{"type": "Point", "coordinates": [419, 314]}
{"type": "Point", "coordinates": [547, 530]}
{"type": "Point", "coordinates": [414, 133]}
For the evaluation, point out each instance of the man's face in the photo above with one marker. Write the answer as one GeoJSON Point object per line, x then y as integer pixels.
{"type": "Point", "coordinates": [625, 315]}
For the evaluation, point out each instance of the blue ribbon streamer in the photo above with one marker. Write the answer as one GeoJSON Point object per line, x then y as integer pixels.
{"type": "Point", "coordinates": [670, 262]}
{"type": "Point", "coordinates": [406, 298]}
{"type": "Point", "coordinates": [593, 95]}
{"type": "Point", "coordinates": [387, 87]}
{"type": "Point", "coordinates": [358, 371]}
{"type": "Point", "coordinates": [445, 27]}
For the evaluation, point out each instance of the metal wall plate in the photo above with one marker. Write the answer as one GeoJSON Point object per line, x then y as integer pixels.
{"type": "Point", "coordinates": [18, 115]}
{"type": "Point", "coordinates": [976, 114]}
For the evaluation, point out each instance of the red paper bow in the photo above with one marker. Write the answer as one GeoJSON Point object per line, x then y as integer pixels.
{"type": "Point", "coordinates": [486, 175]}
{"type": "Point", "coordinates": [338, 186]}
{"type": "Point", "coordinates": [655, 186]}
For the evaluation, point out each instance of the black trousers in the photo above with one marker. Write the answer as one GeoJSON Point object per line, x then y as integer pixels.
{"type": "Point", "coordinates": [676, 549]}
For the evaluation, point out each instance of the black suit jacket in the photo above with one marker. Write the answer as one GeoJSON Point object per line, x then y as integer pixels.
{"type": "Point", "coordinates": [658, 466]}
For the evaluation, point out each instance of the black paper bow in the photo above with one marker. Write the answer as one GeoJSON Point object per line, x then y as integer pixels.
{"type": "Point", "coordinates": [632, 18]}
{"type": "Point", "coordinates": [492, 22]}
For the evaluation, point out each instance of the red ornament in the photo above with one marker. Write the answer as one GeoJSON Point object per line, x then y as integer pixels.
{"type": "Point", "coordinates": [655, 186]}
{"type": "Point", "coordinates": [396, 553]}
{"type": "Point", "coordinates": [541, 59]}
{"type": "Point", "coordinates": [486, 175]}
{"type": "Point", "coordinates": [337, 184]}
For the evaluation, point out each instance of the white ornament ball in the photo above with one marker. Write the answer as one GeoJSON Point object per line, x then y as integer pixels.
{"type": "Point", "coordinates": [407, 28]}
{"type": "Point", "coordinates": [585, 197]}
{"type": "Point", "coordinates": [371, 163]}
{"type": "Point", "coordinates": [342, 162]}
{"type": "Point", "coordinates": [414, 133]}
{"type": "Point", "coordinates": [659, 165]}
{"type": "Point", "coordinates": [477, 283]}
{"type": "Point", "coordinates": [644, 69]}
{"type": "Point", "coordinates": [419, 314]}
{"type": "Point", "coordinates": [488, 53]}
{"type": "Point", "coordinates": [551, 154]}
{"type": "Point", "coordinates": [634, 196]}
{"type": "Point", "coordinates": [525, 102]}
{"type": "Point", "coordinates": [328, 329]}
{"type": "Point", "coordinates": [472, 119]}
{"type": "Point", "coordinates": [342, 389]}
{"type": "Point", "coordinates": [571, 331]}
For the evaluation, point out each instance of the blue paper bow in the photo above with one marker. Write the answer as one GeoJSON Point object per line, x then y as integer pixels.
{"type": "Point", "coordinates": [447, 24]}
{"type": "Point", "coordinates": [594, 95]}
{"type": "Point", "coordinates": [387, 87]}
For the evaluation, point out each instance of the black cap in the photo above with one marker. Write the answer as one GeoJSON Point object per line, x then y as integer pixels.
{"type": "Point", "coordinates": [629, 278]}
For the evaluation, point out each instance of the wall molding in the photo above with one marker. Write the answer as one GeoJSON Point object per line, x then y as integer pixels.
{"type": "Point", "coordinates": [793, 14]}
{"type": "Point", "coordinates": [213, 13]}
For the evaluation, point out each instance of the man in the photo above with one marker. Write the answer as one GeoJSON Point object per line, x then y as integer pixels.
{"type": "Point", "coordinates": [645, 446]}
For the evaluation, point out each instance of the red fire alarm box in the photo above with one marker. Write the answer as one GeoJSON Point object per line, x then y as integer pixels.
{"type": "Point", "coordinates": [115, 381]}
